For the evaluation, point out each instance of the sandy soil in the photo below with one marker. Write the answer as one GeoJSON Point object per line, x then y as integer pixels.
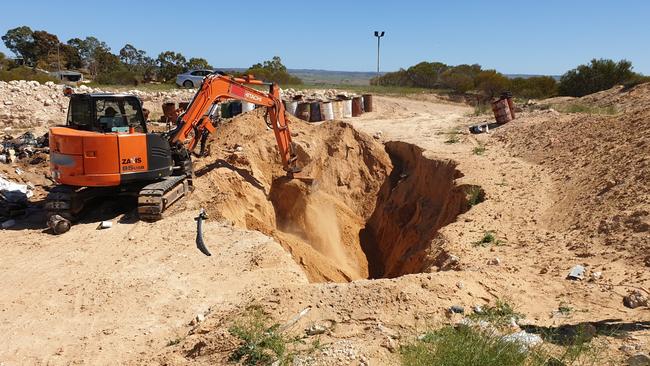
{"type": "Point", "coordinates": [121, 295]}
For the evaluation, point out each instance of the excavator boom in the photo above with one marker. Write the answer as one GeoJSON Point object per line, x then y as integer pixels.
{"type": "Point", "coordinates": [217, 88]}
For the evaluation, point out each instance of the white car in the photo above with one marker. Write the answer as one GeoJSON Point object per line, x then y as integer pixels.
{"type": "Point", "coordinates": [192, 79]}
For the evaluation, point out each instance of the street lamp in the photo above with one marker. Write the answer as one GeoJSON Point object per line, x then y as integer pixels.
{"type": "Point", "coordinates": [378, 35]}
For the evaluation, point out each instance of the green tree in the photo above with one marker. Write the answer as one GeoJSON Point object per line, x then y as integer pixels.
{"type": "Point", "coordinates": [198, 64]}
{"type": "Point", "coordinates": [457, 80]}
{"type": "Point", "coordinates": [273, 71]}
{"type": "Point", "coordinates": [46, 50]}
{"type": "Point", "coordinates": [20, 41]}
{"type": "Point", "coordinates": [70, 57]}
{"type": "Point", "coordinates": [88, 50]}
{"type": "Point", "coordinates": [426, 74]}
{"type": "Point", "coordinates": [131, 56]}
{"type": "Point", "coordinates": [491, 83]}
{"type": "Point", "coordinates": [534, 87]}
{"type": "Point", "coordinates": [600, 74]}
{"type": "Point", "coordinates": [171, 64]}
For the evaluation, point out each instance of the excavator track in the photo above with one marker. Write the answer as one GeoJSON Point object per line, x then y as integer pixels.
{"type": "Point", "coordinates": [61, 208]}
{"type": "Point", "coordinates": [155, 198]}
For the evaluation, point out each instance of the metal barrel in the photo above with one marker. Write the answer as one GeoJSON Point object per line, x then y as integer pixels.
{"type": "Point", "coordinates": [225, 110]}
{"type": "Point", "coordinates": [326, 111]}
{"type": "Point", "coordinates": [501, 111]}
{"type": "Point", "coordinates": [314, 112]}
{"type": "Point", "coordinates": [357, 106]}
{"type": "Point", "coordinates": [367, 102]}
{"type": "Point", "coordinates": [337, 108]}
{"type": "Point", "coordinates": [169, 110]}
{"type": "Point", "coordinates": [183, 105]}
{"type": "Point", "coordinates": [290, 106]}
{"type": "Point", "coordinates": [247, 106]}
{"type": "Point", "coordinates": [302, 111]}
{"type": "Point", "coordinates": [347, 108]}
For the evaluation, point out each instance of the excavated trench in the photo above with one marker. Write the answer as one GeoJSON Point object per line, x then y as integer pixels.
{"type": "Point", "coordinates": [374, 213]}
{"type": "Point", "coordinates": [416, 199]}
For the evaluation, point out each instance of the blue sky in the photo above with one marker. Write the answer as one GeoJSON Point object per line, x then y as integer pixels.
{"type": "Point", "coordinates": [531, 37]}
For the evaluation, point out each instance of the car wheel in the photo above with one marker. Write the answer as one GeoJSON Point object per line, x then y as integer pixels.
{"type": "Point", "coordinates": [188, 84]}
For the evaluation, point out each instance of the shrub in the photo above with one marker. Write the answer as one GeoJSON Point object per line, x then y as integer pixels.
{"type": "Point", "coordinates": [463, 346]}
{"type": "Point", "coordinates": [120, 77]}
{"type": "Point", "coordinates": [491, 83]}
{"type": "Point", "coordinates": [536, 87]}
{"type": "Point", "coordinates": [25, 73]}
{"type": "Point", "coordinates": [599, 75]}
{"type": "Point", "coordinates": [261, 343]}
{"type": "Point", "coordinates": [273, 71]}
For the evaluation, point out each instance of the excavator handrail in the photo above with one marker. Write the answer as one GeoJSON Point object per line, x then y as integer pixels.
{"type": "Point", "coordinates": [216, 88]}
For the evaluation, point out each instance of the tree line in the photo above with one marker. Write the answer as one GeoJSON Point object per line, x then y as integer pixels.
{"type": "Point", "coordinates": [130, 65]}
{"type": "Point", "coordinates": [599, 74]}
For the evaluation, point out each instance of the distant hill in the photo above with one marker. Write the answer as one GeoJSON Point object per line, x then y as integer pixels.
{"type": "Point", "coordinates": [328, 77]}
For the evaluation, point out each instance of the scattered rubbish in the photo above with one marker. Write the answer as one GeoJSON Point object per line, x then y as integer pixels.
{"type": "Point", "coordinates": [105, 225]}
{"type": "Point", "coordinates": [21, 147]}
{"type": "Point", "coordinates": [483, 127]}
{"type": "Point", "coordinates": [525, 339]}
{"type": "Point", "coordinates": [595, 276]}
{"type": "Point", "coordinates": [316, 329]}
{"type": "Point", "coordinates": [577, 273]}
{"type": "Point", "coordinates": [199, 232]}
{"type": "Point", "coordinates": [635, 299]}
{"type": "Point", "coordinates": [494, 262]}
{"type": "Point", "coordinates": [295, 319]}
{"type": "Point", "coordinates": [457, 309]}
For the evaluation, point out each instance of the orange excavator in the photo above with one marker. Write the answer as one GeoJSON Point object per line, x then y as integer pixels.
{"type": "Point", "coordinates": [106, 150]}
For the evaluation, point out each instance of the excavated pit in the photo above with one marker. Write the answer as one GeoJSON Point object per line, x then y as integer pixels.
{"type": "Point", "coordinates": [373, 212]}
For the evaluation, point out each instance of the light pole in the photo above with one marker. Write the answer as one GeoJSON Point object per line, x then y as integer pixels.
{"type": "Point", "coordinates": [378, 35]}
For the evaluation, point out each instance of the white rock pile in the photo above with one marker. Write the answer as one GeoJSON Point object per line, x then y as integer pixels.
{"type": "Point", "coordinates": [36, 106]}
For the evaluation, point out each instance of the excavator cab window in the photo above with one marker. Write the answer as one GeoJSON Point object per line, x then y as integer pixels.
{"type": "Point", "coordinates": [106, 114]}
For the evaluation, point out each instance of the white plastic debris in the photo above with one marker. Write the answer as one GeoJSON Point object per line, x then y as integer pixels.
{"type": "Point", "coordinates": [105, 225]}
{"type": "Point", "coordinates": [577, 273]}
{"type": "Point", "coordinates": [526, 340]}
{"type": "Point", "coordinates": [14, 192]}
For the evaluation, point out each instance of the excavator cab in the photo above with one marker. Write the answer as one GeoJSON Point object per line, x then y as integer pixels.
{"type": "Point", "coordinates": [106, 113]}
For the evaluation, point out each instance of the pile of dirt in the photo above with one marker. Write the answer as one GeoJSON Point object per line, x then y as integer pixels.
{"type": "Point", "coordinates": [626, 100]}
{"type": "Point", "coordinates": [360, 219]}
{"type": "Point", "coordinates": [600, 165]}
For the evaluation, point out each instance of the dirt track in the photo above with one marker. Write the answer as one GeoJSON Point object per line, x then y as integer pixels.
{"type": "Point", "coordinates": [120, 295]}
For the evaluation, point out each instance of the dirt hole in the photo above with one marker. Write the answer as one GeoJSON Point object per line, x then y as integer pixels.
{"type": "Point", "coordinates": [373, 212]}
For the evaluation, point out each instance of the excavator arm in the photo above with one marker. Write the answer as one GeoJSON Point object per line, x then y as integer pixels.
{"type": "Point", "coordinates": [217, 88]}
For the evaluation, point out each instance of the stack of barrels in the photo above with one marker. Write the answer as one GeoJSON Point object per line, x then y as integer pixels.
{"type": "Point", "coordinates": [324, 110]}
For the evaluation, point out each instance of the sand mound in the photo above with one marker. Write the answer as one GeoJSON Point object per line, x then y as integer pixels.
{"type": "Point", "coordinates": [601, 166]}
